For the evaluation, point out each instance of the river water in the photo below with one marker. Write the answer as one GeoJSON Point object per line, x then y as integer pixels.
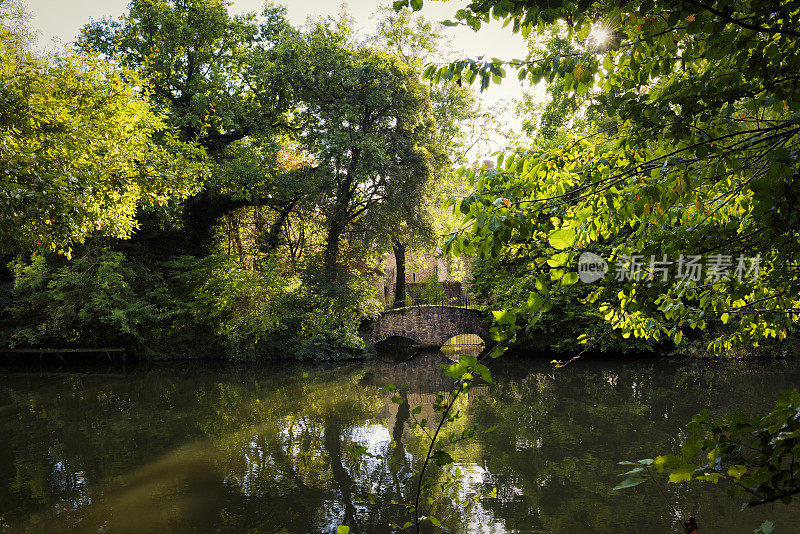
{"type": "Point", "coordinates": [198, 447]}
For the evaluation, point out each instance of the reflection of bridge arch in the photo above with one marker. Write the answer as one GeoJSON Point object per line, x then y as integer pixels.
{"type": "Point", "coordinates": [429, 326]}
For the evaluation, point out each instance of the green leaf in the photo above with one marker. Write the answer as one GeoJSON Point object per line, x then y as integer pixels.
{"type": "Point", "coordinates": [633, 471]}
{"type": "Point", "coordinates": [506, 317]}
{"type": "Point", "coordinates": [342, 529]}
{"type": "Point", "coordinates": [678, 337]}
{"type": "Point", "coordinates": [455, 370]}
{"type": "Point", "coordinates": [569, 278]}
{"type": "Point", "coordinates": [561, 239]}
{"type": "Point", "coordinates": [442, 458]}
{"type": "Point", "coordinates": [629, 483]}
{"type": "Point", "coordinates": [483, 372]}
{"type": "Point", "coordinates": [558, 260]}
{"type": "Point", "coordinates": [681, 474]}
{"type": "Point", "coordinates": [737, 471]}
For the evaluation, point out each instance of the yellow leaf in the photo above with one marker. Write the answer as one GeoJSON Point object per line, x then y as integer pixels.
{"type": "Point", "coordinates": [736, 471]}
{"type": "Point", "coordinates": [681, 475]}
{"type": "Point", "coordinates": [659, 463]}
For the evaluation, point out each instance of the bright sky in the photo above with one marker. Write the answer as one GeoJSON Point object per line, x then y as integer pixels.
{"type": "Point", "coordinates": [59, 21]}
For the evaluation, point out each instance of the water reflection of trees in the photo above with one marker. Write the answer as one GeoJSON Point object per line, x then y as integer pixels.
{"type": "Point", "coordinates": [202, 449]}
{"type": "Point", "coordinates": [237, 449]}
{"type": "Point", "coordinates": [559, 440]}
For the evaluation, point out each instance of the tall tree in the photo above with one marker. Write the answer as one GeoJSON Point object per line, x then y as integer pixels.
{"type": "Point", "coordinates": [80, 150]}
{"type": "Point", "coordinates": [367, 121]}
{"type": "Point", "coordinates": [418, 41]}
{"type": "Point", "coordinates": [217, 78]}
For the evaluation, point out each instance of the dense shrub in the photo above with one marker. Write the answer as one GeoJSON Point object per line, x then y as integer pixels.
{"type": "Point", "coordinates": [184, 307]}
{"type": "Point", "coordinates": [505, 283]}
{"type": "Point", "coordinates": [98, 299]}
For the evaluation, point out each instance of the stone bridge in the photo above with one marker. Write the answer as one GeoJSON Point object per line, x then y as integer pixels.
{"type": "Point", "coordinates": [428, 326]}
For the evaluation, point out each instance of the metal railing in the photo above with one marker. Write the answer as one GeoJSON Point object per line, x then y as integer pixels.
{"type": "Point", "coordinates": [463, 300]}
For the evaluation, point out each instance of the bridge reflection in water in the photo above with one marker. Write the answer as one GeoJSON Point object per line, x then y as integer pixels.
{"type": "Point", "coordinates": [397, 349]}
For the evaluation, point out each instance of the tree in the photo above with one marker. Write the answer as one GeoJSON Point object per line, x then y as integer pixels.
{"type": "Point", "coordinates": [414, 41]}
{"type": "Point", "coordinates": [417, 41]}
{"type": "Point", "coordinates": [564, 114]}
{"type": "Point", "coordinates": [367, 122]}
{"type": "Point", "coordinates": [218, 80]}
{"type": "Point", "coordinates": [80, 150]}
{"type": "Point", "coordinates": [507, 280]}
{"type": "Point", "coordinates": [702, 159]}
{"type": "Point", "coordinates": [211, 72]}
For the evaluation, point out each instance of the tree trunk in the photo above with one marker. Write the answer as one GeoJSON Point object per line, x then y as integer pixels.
{"type": "Point", "coordinates": [336, 227]}
{"type": "Point", "coordinates": [331, 251]}
{"type": "Point", "coordinates": [340, 218]}
{"type": "Point", "coordinates": [273, 238]}
{"type": "Point", "coordinates": [400, 277]}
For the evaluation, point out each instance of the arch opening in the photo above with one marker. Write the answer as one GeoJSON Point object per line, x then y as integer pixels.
{"type": "Point", "coordinates": [396, 349]}
{"type": "Point", "coordinates": [463, 344]}
{"type": "Point", "coordinates": [396, 341]}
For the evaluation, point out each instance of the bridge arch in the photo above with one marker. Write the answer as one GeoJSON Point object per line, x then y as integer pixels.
{"type": "Point", "coordinates": [430, 326]}
{"type": "Point", "coordinates": [398, 341]}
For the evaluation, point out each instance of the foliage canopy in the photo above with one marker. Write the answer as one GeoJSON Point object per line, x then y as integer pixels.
{"type": "Point", "coordinates": [701, 158]}
{"type": "Point", "coordinates": [80, 150]}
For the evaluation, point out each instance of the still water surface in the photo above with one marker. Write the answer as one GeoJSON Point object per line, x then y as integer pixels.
{"type": "Point", "coordinates": [195, 447]}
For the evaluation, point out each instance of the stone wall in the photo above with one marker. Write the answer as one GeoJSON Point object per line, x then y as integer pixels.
{"type": "Point", "coordinates": [429, 326]}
